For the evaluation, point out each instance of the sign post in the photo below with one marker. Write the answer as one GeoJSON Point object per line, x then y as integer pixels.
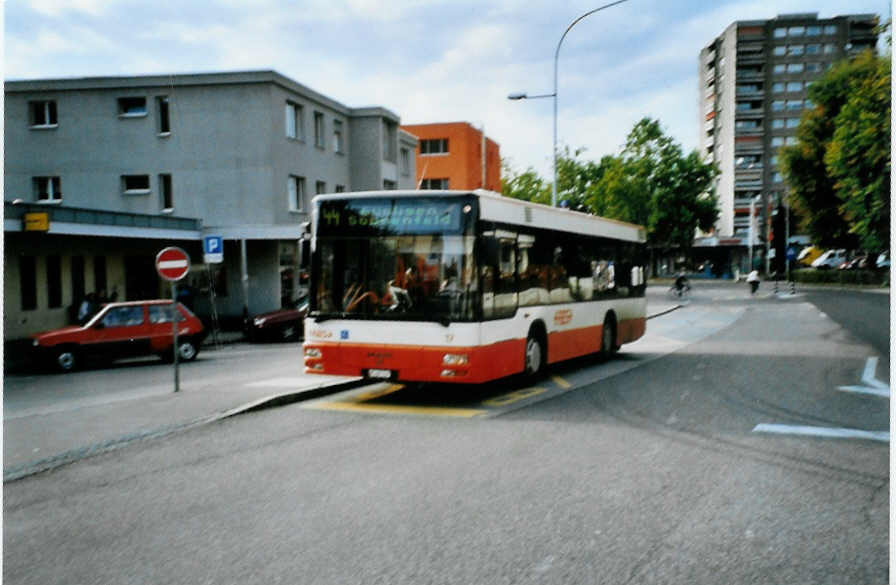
{"type": "Point", "coordinates": [173, 264]}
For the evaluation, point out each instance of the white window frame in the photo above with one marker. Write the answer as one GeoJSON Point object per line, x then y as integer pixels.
{"type": "Point", "coordinates": [49, 121]}
{"type": "Point", "coordinates": [319, 130]}
{"type": "Point", "coordinates": [338, 141]}
{"type": "Point", "coordinates": [51, 185]}
{"type": "Point", "coordinates": [124, 111]}
{"type": "Point", "coordinates": [295, 193]}
{"type": "Point", "coordinates": [131, 190]}
{"type": "Point", "coordinates": [294, 115]}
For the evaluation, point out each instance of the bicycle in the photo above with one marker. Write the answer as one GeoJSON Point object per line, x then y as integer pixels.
{"type": "Point", "coordinates": [680, 292]}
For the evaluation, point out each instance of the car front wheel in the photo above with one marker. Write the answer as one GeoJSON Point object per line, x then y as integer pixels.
{"type": "Point", "coordinates": [65, 359]}
{"type": "Point", "coordinates": [187, 350]}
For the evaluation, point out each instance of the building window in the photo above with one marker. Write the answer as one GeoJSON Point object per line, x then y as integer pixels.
{"type": "Point", "coordinates": [164, 116]}
{"type": "Point", "coordinates": [796, 49]}
{"type": "Point", "coordinates": [434, 146]}
{"type": "Point", "coordinates": [390, 141]}
{"type": "Point", "coordinates": [794, 105]}
{"type": "Point", "coordinates": [338, 142]}
{"type": "Point", "coordinates": [439, 184]}
{"type": "Point", "coordinates": [808, 104]}
{"type": "Point", "coordinates": [405, 162]}
{"type": "Point", "coordinates": [47, 189]}
{"type": "Point", "coordinates": [319, 130]}
{"type": "Point", "coordinates": [135, 184]}
{"type": "Point", "coordinates": [790, 140]}
{"type": "Point", "coordinates": [796, 31]}
{"type": "Point", "coordinates": [777, 140]}
{"type": "Point", "coordinates": [777, 105]}
{"type": "Point", "coordinates": [794, 86]}
{"type": "Point", "coordinates": [28, 282]}
{"type": "Point", "coordinates": [167, 196]}
{"type": "Point", "coordinates": [830, 29]}
{"type": "Point", "coordinates": [389, 185]}
{"type": "Point", "coordinates": [296, 193]}
{"type": "Point", "coordinates": [828, 49]}
{"type": "Point", "coordinates": [780, 51]}
{"type": "Point", "coordinates": [813, 31]}
{"type": "Point", "coordinates": [320, 187]}
{"type": "Point", "coordinates": [54, 282]}
{"type": "Point", "coordinates": [780, 33]}
{"type": "Point", "coordinates": [340, 188]}
{"type": "Point", "coordinates": [794, 68]}
{"type": "Point", "coordinates": [99, 273]}
{"type": "Point", "coordinates": [780, 68]}
{"type": "Point", "coordinates": [295, 125]}
{"type": "Point", "coordinates": [43, 114]}
{"type": "Point", "coordinates": [813, 67]}
{"type": "Point", "coordinates": [813, 49]}
{"type": "Point", "coordinates": [131, 107]}
{"type": "Point", "coordinates": [777, 123]}
{"type": "Point", "coordinates": [778, 87]}
{"type": "Point", "coordinates": [793, 122]}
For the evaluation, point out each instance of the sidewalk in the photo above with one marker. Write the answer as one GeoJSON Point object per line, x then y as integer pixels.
{"type": "Point", "coordinates": [48, 437]}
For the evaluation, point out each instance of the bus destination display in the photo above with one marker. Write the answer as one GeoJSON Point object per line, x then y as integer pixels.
{"type": "Point", "coordinates": [395, 216]}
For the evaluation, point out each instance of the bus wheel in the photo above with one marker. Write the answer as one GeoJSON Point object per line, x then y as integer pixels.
{"type": "Point", "coordinates": [534, 358]}
{"type": "Point", "coordinates": [608, 338]}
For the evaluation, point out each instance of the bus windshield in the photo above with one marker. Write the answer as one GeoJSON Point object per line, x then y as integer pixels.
{"type": "Point", "coordinates": [372, 264]}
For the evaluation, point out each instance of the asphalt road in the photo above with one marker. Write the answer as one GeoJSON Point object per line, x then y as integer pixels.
{"type": "Point", "coordinates": [645, 469]}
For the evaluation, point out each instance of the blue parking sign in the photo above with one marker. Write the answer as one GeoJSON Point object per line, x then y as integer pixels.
{"type": "Point", "coordinates": [213, 249]}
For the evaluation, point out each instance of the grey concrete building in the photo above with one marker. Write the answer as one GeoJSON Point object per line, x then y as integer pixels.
{"type": "Point", "coordinates": [753, 82]}
{"type": "Point", "coordinates": [102, 173]}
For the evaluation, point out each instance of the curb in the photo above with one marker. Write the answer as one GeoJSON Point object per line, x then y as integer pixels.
{"type": "Point", "coordinates": [65, 458]}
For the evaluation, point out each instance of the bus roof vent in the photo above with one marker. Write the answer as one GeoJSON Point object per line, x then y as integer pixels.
{"type": "Point", "coordinates": [528, 215]}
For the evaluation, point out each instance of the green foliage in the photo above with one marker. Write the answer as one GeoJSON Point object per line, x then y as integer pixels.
{"type": "Point", "coordinates": [839, 169]}
{"type": "Point", "coordinates": [650, 183]}
{"type": "Point", "coordinates": [858, 277]}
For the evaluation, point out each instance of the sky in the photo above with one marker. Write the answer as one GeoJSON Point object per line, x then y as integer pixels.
{"type": "Point", "coordinates": [427, 61]}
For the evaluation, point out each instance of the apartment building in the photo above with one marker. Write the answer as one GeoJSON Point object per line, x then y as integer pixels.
{"type": "Point", "coordinates": [753, 82]}
{"type": "Point", "coordinates": [102, 173]}
{"type": "Point", "coordinates": [455, 155]}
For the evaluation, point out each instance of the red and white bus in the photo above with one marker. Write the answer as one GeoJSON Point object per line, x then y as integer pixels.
{"type": "Point", "coordinates": [466, 286]}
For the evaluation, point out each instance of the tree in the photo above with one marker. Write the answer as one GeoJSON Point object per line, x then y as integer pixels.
{"type": "Point", "coordinates": [650, 183]}
{"type": "Point", "coordinates": [839, 168]}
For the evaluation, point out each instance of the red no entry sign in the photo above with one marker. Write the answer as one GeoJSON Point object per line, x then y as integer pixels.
{"type": "Point", "coordinates": [172, 263]}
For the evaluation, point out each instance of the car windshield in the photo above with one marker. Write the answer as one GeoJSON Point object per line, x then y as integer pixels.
{"type": "Point", "coordinates": [372, 268]}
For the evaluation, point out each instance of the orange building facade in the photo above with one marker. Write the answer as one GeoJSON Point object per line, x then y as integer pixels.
{"type": "Point", "coordinates": [449, 156]}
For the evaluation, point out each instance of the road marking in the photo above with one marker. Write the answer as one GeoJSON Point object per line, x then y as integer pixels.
{"type": "Point", "coordinates": [397, 409]}
{"type": "Point", "coordinates": [828, 432]}
{"type": "Point", "coordinates": [561, 382]}
{"type": "Point", "coordinates": [514, 396]}
{"type": "Point", "coordinates": [872, 385]}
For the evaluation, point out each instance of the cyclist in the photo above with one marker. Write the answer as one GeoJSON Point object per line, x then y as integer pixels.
{"type": "Point", "coordinates": [681, 284]}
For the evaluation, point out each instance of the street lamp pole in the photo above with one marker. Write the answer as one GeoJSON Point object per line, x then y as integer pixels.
{"type": "Point", "coordinates": [523, 96]}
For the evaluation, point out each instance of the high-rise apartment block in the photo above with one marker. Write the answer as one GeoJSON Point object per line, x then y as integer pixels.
{"type": "Point", "coordinates": [753, 82]}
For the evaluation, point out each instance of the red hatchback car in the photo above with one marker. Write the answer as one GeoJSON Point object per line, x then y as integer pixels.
{"type": "Point", "coordinates": [120, 330]}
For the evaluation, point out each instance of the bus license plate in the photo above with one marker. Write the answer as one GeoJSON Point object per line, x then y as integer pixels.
{"type": "Point", "coordinates": [379, 373]}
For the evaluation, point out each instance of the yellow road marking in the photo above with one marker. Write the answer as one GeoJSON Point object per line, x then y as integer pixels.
{"type": "Point", "coordinates": [512, 397]}
{"type": "Point", "coordinates": [561, 382]}
{"type": "Point", "coordinates": [397, 409]}
{"type": "Point", "coordinates": [371, 394]}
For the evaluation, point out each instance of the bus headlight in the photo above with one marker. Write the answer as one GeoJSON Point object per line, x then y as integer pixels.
{"type": "Point", "coordinates": [312, 352]}
{"type": "Point", "coordinates": [455, 359]}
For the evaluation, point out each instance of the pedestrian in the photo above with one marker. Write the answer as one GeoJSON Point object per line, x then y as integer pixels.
{"type": "Point", "coordinates": [753, 280]}
{"type": "Point", "coordinates": [87, 308]}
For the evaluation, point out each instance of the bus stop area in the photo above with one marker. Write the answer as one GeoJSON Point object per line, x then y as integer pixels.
{"type": "Point", "coordinates": [41, 438]}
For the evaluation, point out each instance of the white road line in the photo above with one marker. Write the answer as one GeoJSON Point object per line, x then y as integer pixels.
{"type": "Point", "coordinates": [828, 432]}
{"type": "Point", "coordinates": [869, 375]}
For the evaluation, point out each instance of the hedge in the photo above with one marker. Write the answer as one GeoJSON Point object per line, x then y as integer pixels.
{"type": "Point", "coordinates": [833, 276]}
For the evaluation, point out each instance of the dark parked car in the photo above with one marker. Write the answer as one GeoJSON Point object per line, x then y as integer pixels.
{"type": "Point", "coordinates": [120, 330]}
{"type": "Point", "coordinates": [283, 324]}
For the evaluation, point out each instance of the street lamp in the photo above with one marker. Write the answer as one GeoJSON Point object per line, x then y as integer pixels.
{"type": "Point", "coordinates": [524, 96]}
